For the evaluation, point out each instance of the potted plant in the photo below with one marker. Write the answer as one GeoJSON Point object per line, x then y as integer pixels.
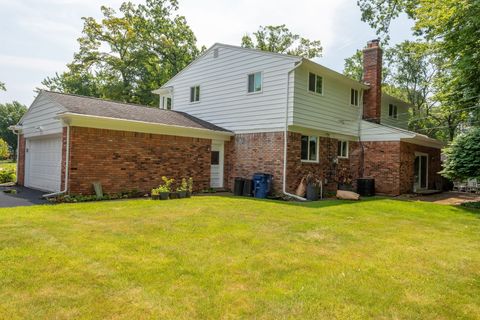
{"type": "Point", "coordinates": [182, 189]}
{"type": "Point", "coordinates": [155, 194]}
{"type": "Point", "coordinates": [165, 188]}
{"type": "Point", "coordinates": [189, 187]}
{"type": "Point", "coordinates": [313, 187]}
{"type": "Point", "coordinates": [344, 181]}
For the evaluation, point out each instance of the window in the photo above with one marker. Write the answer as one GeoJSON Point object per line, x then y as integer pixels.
{"type": "Point", "coordinates": [255, 82]}
{"type": "Point", "coordinates": [342, 149]}
{"type": "Point", "coordinates": [315, 83]}
{"type": "Point", "coordinates": [354, 97]}
{"type": "Point", "coordinates": [309, 150]}
{"type": "Point", "coordinates": [392, 111]}
{"type": "Point", "coordinates": [195, 94]}
{"type": "Point", "coordinates": [215, 158]}
{"type": "Point", "coordinates": [166, 103]}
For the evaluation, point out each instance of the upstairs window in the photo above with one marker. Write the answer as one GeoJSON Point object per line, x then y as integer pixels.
{"type": "Point", "coordinates": [255, 82]}
{"type": "Point", "coordinates": [309, 149]}
{"type": "Point", "coordinates": [195, 94]}
{"type": "Point", "coordinates": [166, 103]}
{"type": "Point", "coordinates": [342, 149]}
{"type": "Point", "coordinates": [392, 111]}
{"type": "Point", "coordinates": [354, 97]}
{"type": "Point", "coordinates": [315, 83]}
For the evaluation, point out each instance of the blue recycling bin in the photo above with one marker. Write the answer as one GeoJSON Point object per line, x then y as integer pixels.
{"type": "Point", "coordinates": [262, 185]}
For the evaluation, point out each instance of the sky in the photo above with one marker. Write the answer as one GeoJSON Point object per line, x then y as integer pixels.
{"type": "Point", "coordinates": [38, 37]}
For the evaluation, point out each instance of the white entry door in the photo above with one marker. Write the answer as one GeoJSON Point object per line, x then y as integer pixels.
{"type": "Point", "coordinates": [43, 163]}
{"type": "Point", "coordinates": [216, 165]}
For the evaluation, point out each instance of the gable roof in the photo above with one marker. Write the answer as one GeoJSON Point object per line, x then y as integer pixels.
{"type": "Point", "coordinates": [83, 105]}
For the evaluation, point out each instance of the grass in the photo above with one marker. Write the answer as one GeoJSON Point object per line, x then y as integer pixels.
{"type": "Point", "coordinates": [7, 164]}
{"type": "Point", "coordinates": [229, 258]}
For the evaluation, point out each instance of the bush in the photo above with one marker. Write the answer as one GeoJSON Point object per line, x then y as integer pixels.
{"type": "Point", "coordinates": [7, 175]}
{"type": "Point", "coordinates": [4, 150]}
{"type": "Point", "coordinates": [471, 205]}
{"type": "Point", "coordinates": [463, 156]}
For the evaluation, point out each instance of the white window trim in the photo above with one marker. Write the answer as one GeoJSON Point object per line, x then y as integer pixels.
{"type": "Point", "coordinates": [261, 82]}
{"type": "Point", "coordinates": [199, 97]}
{"type": "Point", "coordinates": [323, 84]}
{"type": "Point", "coordinates": [308, 150]}
{"type": "Point", "coordinates": [358, 98]}
{"type": "Point", "coordinates": [348, 145]}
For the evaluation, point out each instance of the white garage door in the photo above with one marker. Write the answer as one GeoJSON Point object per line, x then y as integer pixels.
{"type": "Point", "coordinates": [43, 159]}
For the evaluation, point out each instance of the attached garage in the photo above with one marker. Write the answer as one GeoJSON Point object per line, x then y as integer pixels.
{"type": "Point", "coordinates": [43, 163]}
{"type": "Point", "coordinates": [68, 142]}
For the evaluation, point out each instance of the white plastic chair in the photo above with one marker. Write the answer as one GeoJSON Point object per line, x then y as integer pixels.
{"type": "Point", "coordinates": [472, 186]}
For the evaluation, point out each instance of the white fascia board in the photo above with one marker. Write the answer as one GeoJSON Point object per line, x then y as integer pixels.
{"type": "Point", "coordinates": [422, 140]}
{"type": "Point", "coordinates": [88, 121]}
{"type": "Point", "coordinates": [163, 91]}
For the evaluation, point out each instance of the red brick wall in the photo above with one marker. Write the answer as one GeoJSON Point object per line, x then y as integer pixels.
{"type": "Point", "coordinates": [382, 162]}
{"type": "Point", "coordinates": [249, 153]}
{"type": "Point", "coordinates": [407, 163]}
{"type": "Point", "coordinates": [372, 74]}
{"type": "Point", "coordinates": [123, 161]}
{"type": "Point", "coordinates": [21, 161]}
{"type": "Point", "coordinates": [326, 169]}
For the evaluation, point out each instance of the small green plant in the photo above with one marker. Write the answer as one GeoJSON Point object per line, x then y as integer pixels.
{"type": "Point", "coordinates": [7, 175]}
{"type": "Point", "coordinates": [190, 185]}
{"type": "Point", "coordinates": [183, 186]}
{"type": "Point", "coordinates": [165, 187]}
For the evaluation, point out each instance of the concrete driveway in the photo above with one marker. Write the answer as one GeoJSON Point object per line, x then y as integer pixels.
{"type": "Point", "coordinates": [24, 197]}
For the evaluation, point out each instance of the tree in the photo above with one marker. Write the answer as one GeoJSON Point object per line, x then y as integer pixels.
{"type": "Point", "coordinates": [280, 39]}
{"type": "Point", "coordinates": [10, 114]}
{"type": "Point", "coordinates": [128, 54]}
{"type": "Point", "coordinates": [452, 26]}
{"type": "Point", "coordinates": [4, 150]}
{"type": "Point", "coordinates": [463, 156]}
{"type": "Point", "coordinates": [2, 86]}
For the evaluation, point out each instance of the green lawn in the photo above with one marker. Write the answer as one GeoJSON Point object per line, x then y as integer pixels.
{"type": "Point", "coordinates": [230, 258]}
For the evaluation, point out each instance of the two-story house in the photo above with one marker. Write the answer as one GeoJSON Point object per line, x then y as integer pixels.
{"type": "Point", "coordinates": [231, 113]}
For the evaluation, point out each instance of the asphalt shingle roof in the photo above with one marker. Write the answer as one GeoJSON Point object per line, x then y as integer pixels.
{"type": "Point", "coordinates": [119, 110]}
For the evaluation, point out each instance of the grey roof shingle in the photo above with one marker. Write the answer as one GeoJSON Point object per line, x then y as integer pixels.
{"type": "Point", "coordinates": [119, 110]}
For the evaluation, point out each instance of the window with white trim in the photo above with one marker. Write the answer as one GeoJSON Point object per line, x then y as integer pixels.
{"type": "Point", "coordinates": [315, 83]}
{"type": "Point", "coordinates": [342, 150]}
{"type": "Point", "coordinates": [195, 94]}
{"type": "Point", "coordinates": [166, 103]}
{"type": "Point", "coordinates": [255, 82]}
{"type": "Point", "coordinates": [392, 111]}
{"type": "Point", "coordinates": [309, 149]}
{"type": "Point", "coordinates": [354, 97]}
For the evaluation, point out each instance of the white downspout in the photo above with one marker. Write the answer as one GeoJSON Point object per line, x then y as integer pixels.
{"type": "Point", "coordinates": [67, 158]}
{"type": "Point", "coordinates": [285, 138]}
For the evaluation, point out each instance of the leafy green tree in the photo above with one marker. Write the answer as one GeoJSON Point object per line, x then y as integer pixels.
{"type": "Point", "coordinates": [463, 156]}
{"type": "Point", "coordinates": [4, 150]}
{"type": "Point", "coordinates": [10, 114]}
{"type": "Point", "coordinates": [280, 39]}
{"type": "Point", "coordinates": [129, 53]}
{"type": "Point", "coordinates": [2, 86]}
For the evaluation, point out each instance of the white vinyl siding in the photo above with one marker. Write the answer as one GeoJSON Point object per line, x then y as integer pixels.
{"type": "Point", "coordinates": [40, 118]}
{"type": "Point", "coordinates": [225, 100]}
{"type": "Point", "coordinates": [330, 112]}
{"type": "Point", "coordinates": [401, 121]}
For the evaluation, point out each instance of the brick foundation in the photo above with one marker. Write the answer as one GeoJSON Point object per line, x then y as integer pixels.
{"type": "Point", "coordinates": [126, 161]}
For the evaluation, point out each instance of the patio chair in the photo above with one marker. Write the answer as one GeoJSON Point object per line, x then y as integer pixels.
{"type": "Point", "coordinates": [472, 185]}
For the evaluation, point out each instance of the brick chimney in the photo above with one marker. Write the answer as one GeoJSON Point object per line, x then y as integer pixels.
{"type": "Point", "coordinates": [372, 75]}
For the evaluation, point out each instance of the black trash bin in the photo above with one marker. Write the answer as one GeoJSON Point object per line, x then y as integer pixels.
{"type": "Point", "coordinates": [247, 188]}
{"type": "Point", "coordinates": [238, 186]}
{"type": "Point", "coordinates": [366, 187]}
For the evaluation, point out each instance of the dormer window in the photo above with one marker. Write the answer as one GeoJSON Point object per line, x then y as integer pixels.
{"type": "Point", "coordinates": [166, 102]}
{"type": "Point", "coordinates": [392, 111]}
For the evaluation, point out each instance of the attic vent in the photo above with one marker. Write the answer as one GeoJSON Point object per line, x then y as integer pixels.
{"type": "Point", "coordinates": [215, 53]}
